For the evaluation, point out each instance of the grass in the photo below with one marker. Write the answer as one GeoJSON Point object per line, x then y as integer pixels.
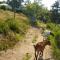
{"type": "Point", "coordinates": [55, 41]}
{"type": "Point", "coordinates": [56, 50]}
{"type": "Point", "coordinates": [3, 27]}
{"type": "Point", "coordinates": [27, 56]}
{"type": "Point", "coordinates": [34, 39]}
{"type": "Point", "coordinates": [12, 31]}
{"type": "Point", "coordinates": [41, 24]}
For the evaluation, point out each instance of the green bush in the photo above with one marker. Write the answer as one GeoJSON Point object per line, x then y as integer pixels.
{"type": "Point", "coordinates": [11, 31]}
{"type": "Point", "coordinates": [13, 25]}
{"type": "Point", "coordinates": [56, 50]}
{"type": "Point", "coordinates": [4, 28]}
{"type": "Point", "coordinates": [55, 41]}
{"type": "Point", "coordinates": [3, 7]}
{"type": "Point", "coordinates": [52, 26]}
{"type": "Point", "coordinates": [41, 24]}
{"type": "Point", "coordinates": [17, 26]}
{"type": "Point", "coordinates": [9, 24]}
{"type": "Point", "coordinates": [57, 38]}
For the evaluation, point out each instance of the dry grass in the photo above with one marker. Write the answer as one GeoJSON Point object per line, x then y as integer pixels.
{"type": "Point", "coordinates": [7, 14]}
{"type": "Point", "coordinates": [15, 29]}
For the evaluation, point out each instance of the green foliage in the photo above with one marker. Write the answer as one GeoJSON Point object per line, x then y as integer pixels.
{"type": "Point", "coordinates": [54, 27]}
{"type": "Point", "coordinates": [56, 54]}
{"type": "Point", "coordinates": [55, 41]}
{"type": "Point", "coordinates": [34, 39]}
{"type": "Point", "coordinates": [8, 38]}
{"type": "Point", "coordinates": [35, 12]}
{"type": "Point", "coordinates": [4, 28]}
{"type": "Point", "coordinates": [23, 27]}
{"type": "Point", "coordinates": [57, 37]}
{"type": "Point", "coordinates": [55, 15]}
{"type": "Point", "coordinates": [17, 26]}
{"type": "Point", "coordinates": [41, 24]}
{"type": "Point", "coordinates": [13, 25]}
{"type": "Point", "coordinates": [27, 56]}
{"type": "Point", "coordinates": [19, 37]}
{"type": "Point", "coordinates": [3, 7]}
{"type": "Point", "coordinates": [11, 31]}
{"type": "Point", "coordinates": [15, 4]}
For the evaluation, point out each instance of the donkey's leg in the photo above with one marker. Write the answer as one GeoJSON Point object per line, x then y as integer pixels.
{"type": "Point", "coordinates": [42, 53]}
{"type": "Point", "coordinates": [35, 55]}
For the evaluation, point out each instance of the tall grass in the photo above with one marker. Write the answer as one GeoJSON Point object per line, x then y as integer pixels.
{"type": "Point", "coordinates": [13, 25]}
{"type": "Point", "coordinates": [55, 41]}
{"type": "Point", "coordinates": [11, 31]}
{"type": "Point", "coordinates": [4, 28]}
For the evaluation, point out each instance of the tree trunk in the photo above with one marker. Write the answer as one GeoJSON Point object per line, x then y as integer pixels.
{"type": "Point", "coordinates": [14, 14]}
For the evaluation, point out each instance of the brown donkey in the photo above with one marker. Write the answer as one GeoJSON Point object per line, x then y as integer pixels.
{"type": "Point", "coordinates": [39, 48]}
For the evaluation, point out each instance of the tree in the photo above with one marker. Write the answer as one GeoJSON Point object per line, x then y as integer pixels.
{"type": "Point", "coordinates": [55, 12]}
{"type": "Point", "coordinates": [27, 2]}
{"type": "Point", "coordinates": [15, 4]}
{"type": "Point", "coordinates": [8, 1]}
{"type": "Point", "coordinates": [35, 11]}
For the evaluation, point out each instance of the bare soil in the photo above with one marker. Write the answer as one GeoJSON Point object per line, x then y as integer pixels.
{"type": "Point", "coordinates": [26, 47]}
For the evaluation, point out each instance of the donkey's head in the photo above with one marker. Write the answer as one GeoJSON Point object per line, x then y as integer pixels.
{"type": "Point", "coordinates": [47, 42]}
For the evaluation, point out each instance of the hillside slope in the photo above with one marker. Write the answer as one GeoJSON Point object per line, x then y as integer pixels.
{"type": "Point", "coordinates": [12, 31]}
{"type": "Point", "coordinates": [20, 36]}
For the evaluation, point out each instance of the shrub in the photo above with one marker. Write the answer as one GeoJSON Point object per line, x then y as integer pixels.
{"type": "Point", "coordinates": [56, 50]}
{"type": "Point", "coordinates": [17, 26]}
{"type": "Point", "coordinates": [12, 31]}
{"type": "Point", "coordinates": [13, 25]}
{"type": "Point", "coordinates": [4, 28]}
{"type": "Point", "coordinates": [3, 7]}
{"type": "Point", "coordinates": [55, 41]}
{"type": "Point", "coordinates": [57, 38]}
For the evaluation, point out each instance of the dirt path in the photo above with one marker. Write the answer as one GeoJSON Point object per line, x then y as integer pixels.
{"type": "Point", "coordinates": [25, 50]}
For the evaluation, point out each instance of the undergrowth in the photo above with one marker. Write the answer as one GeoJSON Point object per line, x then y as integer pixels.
{"type": "Point", "coordinates": [27, 56]}
{"type": "Point", "coordinates": [55, 40]}
{"type": "Point", "coordinates": [11, 31]}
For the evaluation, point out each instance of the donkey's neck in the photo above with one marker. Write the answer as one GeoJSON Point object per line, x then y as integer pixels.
{"type": "Point", "coordinates": [45, 44]}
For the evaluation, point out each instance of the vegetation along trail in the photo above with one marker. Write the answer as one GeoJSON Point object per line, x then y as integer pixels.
{"type": "Point", "coordinates": [24, 50]}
